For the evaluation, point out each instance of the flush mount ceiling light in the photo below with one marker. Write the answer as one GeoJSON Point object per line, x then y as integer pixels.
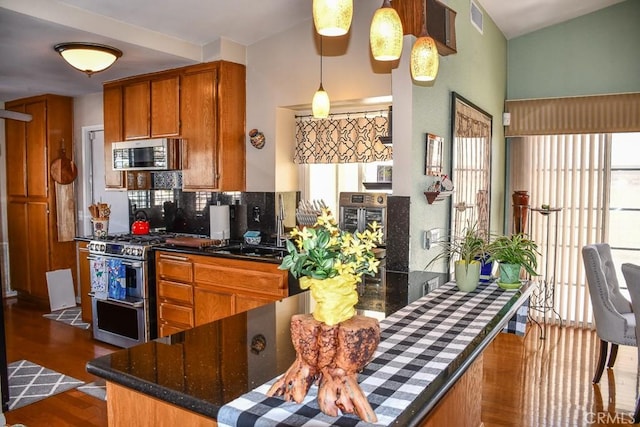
{"type": "Point", "coordinates": [320, 105]}
{"type": "Point", "coordinates": [89, 58]}
{"type": "Point", "coordinates": [332, 17]}
{"type": "Point", "coordinates": [385, 35]}
{"type": "Point", "coordinates": [424, 56]}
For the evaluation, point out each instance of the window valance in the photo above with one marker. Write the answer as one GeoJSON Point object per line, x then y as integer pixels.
{"type": "Point", "coordinates": [575, 115]}
{"type": "Point", "coordinates": [343, 140]}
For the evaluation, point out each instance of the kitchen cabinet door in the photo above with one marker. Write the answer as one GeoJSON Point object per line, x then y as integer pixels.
{"type": "Point", "coordinates": [199, 125]}
{"type": "Point", "coordinates": [38, 238]}
{"type": "Point", "coordinates": [212, 109]}
{"type": "Point", "coordinates": [246, 303]}
{"type": "Point", "coordinates": [16, 153]}
{"type": "Point", "coordinates": [37, 159]}
{"type": "Point", "coordinates": [136, 110]}
{"type": "Point", "coordinates": [18, 245]}
{"type": "Point", "coordinates": [84, 276]}
{"type": "Point", "coordinates": [112, 110]}
{"type": "Point", "coordinates": [165, 107]}
{"type": "Point", "coordinates": [212, 304]}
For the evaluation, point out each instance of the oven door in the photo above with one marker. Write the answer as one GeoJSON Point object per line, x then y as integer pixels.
{"type": "Point", "coordinates": [121, 323]}
{"type": "Point", "coordinates": [378, 215]}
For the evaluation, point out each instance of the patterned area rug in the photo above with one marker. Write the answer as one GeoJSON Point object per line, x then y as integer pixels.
{"type": "Point", "coordinates": [96, 389]}
{"type": "Point", "coordinates": [70, 316]}
{"type": "Point", "coordinates": [29, 383]}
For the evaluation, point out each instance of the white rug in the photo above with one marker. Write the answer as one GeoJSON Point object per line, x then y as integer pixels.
{"type": "Point", "coordinates": [29, 383]}
{"type": "Point", "coordinates": [96, 389]}
{"type": "Point", "coordinates": [71, 316]}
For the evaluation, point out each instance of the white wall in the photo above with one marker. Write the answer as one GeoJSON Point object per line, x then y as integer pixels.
{"type": "Point", "coordinates": [283, 71]}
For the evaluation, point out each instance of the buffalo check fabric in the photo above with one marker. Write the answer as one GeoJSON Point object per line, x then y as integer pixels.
{"type": "Point", "coordinates": [417, 343]}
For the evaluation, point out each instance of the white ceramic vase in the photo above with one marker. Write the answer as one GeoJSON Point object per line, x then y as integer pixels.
{"type": "Point", "coordinates": [467, 275]}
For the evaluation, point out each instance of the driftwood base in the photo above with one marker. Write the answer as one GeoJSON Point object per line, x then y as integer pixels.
{"type": "Point", "coordinates": [331, 356]}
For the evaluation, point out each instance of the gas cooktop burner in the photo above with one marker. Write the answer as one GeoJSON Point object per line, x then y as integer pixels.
{"type": "Point", "coordinates": [132, 246]}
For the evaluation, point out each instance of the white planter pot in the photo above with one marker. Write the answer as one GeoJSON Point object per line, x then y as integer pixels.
{"type": "Point", "coordinates": [467, 276]}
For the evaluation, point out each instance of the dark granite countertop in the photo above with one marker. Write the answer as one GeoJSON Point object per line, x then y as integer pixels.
{"type": "Point", "coordinates": [209, 366]}
{"type": "Point", "coordinates": [185, 368]}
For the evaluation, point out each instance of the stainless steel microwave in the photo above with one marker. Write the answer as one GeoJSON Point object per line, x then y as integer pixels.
{"type": "Point", "coordinates": [147, 154]}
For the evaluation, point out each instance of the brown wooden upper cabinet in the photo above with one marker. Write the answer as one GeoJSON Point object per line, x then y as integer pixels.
{"type": "Point", "coordinates": [112, 110]}
{"type": "Point", "coordinates": [441, 22]}
{"type": "Point", "coordinates": [203, 104]}
{"type": "Point", "coordinates": [151, 108]}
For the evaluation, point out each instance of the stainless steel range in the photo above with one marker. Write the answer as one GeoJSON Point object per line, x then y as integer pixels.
{"type": "Point", "coordinates": [123, 288]}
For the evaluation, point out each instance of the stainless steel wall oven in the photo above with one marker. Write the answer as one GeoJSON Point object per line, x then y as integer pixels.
{"type": "Point", "coordinates": [359, 209]}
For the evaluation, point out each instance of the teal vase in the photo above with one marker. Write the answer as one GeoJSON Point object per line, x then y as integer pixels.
{"type": "Point", "coordinates": [509, 276]}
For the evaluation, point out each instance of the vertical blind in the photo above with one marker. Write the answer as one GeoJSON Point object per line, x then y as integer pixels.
{"type": "Point", "coordinates": [570, 172]}
{"type": "Point", "coordinates": [343, 140]}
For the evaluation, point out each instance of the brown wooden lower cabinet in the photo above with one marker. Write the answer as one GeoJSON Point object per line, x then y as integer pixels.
{"type": "Point", "coordinates": [84, 276]}
{"type": "Point", "coordinates": [126, 407]}
{"type": "Point", "coordinates": [461, 406]}
{"type": "Point", "coordinates": [195, 289]}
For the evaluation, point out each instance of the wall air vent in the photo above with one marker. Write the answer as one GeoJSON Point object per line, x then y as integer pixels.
{"type": "Point", "coordinates": [477, 17]}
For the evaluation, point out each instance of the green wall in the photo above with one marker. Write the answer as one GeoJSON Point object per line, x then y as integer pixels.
{"type": "Point", "coordinates": [478, 72]}
{"type": "Point", "coordinates": [597, 53]}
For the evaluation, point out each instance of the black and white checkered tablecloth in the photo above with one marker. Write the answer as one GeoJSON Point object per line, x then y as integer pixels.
{"type": "Point", "coordinates": [417, 344]}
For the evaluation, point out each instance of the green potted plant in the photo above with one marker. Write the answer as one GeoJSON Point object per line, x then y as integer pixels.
{"type": "Point", "coordinates": [467, 252]}
{"type": "Point", "coordinates": [514, 253]}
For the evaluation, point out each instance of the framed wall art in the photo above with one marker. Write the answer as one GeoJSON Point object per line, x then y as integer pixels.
{"type": "Point", "coordinates": [433, 155]}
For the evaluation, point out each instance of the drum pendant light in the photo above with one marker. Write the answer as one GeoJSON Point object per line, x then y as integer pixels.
{"type": "Point", "coordinates": [424, 56]}
{"type": "Point", "coordinates": [89, 58]}
{"type": "Point", "coordinates": [385, 35]}
{"type": "Point", "coordinates": [320, 105]}
{"type": "Point", "coordinates": [332, 17]}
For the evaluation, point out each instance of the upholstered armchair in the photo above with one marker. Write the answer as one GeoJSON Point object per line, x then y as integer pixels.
{"type": "Point", "coordinates": [631, 274]}
{"type": "Point", "coordinates": [615, 322]}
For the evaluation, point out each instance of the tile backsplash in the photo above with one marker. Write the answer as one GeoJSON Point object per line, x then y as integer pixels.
{"type": "Point", "coordinates": [179, 211]}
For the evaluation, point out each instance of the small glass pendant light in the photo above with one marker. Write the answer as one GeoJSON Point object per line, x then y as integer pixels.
{"type": "Point", "coordinates": [332, 17]}
{"type": "Point", "coordinates": [385, 35]}
{"type": "Point", "coordinates": [424, 56]}
{"type": "Point", "coordinates": [320, 105]}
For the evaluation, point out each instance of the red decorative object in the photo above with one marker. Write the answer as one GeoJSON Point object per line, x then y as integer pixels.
{"type": "Point", "coordinates": [520, 210]}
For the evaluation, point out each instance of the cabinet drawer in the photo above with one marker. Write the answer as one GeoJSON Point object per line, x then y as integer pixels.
{"type": "Point", "coordinates": [241, 275]}
{"type": "Point", "coordinates": [169, 328]}
{"type": "Point", "coordinates": [174, 267]}
{"type": "Point", "coordinates": [180, 292]}
{"type": "Point", "coordinates": [173, 313]}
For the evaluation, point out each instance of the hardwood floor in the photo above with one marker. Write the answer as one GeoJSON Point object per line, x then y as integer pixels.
{"type": "Point", "coordinates": [534, 382]}
{"type": "Point", "coordinates": [527, 381]}
{"type": "Point", "coordinates": [64, 349]}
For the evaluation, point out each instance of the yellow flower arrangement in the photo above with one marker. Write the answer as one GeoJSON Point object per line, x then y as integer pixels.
{"type": "Point", "coordinates": [331, 262]}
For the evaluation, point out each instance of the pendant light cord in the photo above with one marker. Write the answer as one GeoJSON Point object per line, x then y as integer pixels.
{"type": "Point", "coordinates": [320, 60]}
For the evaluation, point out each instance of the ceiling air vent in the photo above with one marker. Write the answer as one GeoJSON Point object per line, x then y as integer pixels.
{"type": "Point", "coordinates": [386, 140]}
{"type": "Point", "coordinates": [477, 17]}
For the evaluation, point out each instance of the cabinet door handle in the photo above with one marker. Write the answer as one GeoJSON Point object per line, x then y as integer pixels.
{"type": "Point", "coordinates": [174, 257]}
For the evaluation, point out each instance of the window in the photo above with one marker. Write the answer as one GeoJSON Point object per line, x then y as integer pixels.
{"type": "Point", "coordinates": [591, 177]}
{"type": "Point", "coordinates": [325, 181]}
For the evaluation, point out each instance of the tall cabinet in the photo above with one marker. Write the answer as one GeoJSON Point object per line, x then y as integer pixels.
{"type": "Point", "coordinates": [31, 146]}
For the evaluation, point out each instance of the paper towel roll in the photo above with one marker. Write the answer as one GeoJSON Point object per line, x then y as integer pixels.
{"type": "Point", "coordinates": [219, 220]}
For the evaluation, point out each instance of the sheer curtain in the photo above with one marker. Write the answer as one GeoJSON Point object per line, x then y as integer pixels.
{"type": "Point", "coordinates": [570, 172]}
{"type": "Point", "coordinates": [471, 171]}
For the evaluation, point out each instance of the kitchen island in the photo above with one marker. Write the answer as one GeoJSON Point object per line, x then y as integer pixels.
{"type": "Point", "coordinates": [212, 371]}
